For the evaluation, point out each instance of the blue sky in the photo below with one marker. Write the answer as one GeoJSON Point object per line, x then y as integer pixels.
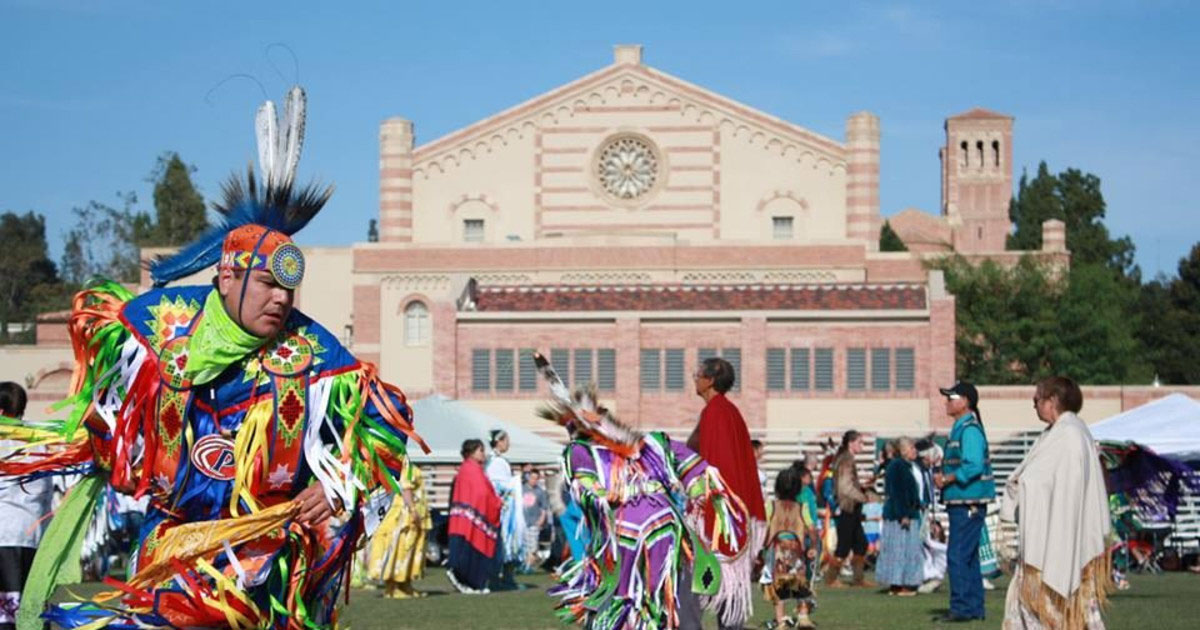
{"type": "Point", "coordinates": [91, 92]}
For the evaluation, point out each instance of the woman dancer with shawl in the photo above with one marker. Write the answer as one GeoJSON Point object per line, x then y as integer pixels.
{"type": "Point", "coordinates": [474, 523]}
{"type": "Point", "coordinates": [1058, 499]}
{"type": "Point", "coordinates": [512, 515]}
{"type": "Point", "coordinates": [645, 547]}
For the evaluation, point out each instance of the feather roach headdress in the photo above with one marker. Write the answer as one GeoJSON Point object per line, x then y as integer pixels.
{"type": "Point", "coordinates": [580, 413]}
{"type": "Point", "coordinates": [258, 218]}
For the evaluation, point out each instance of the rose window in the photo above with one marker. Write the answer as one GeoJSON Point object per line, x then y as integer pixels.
{"type": "Point", "coordinates": [627, 167]}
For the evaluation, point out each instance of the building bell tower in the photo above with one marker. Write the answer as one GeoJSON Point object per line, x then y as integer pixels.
{"type": "Point", "coordinates": [977, 180]}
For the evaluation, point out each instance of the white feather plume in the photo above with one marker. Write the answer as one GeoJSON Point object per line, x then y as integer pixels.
{"type": "Point", "coordinates": [279, 144]}
{"type": "Point", "coordinates": [294, 111]}
{"type": "Point", "coordinates": [266, 132]}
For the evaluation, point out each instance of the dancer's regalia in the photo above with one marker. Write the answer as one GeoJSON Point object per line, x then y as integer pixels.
{"type": "Point", "coordinates": [396, 553]}
{"type": "Point", "coordinates": [222, 430]}
{"type": "Point", "coordinates": [643, 498]}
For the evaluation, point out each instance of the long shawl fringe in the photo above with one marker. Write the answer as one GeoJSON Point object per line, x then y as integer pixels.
{"type": "Point", "coordinates": [1067, 613]}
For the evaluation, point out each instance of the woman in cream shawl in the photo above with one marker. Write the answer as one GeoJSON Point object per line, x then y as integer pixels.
{"type": "Point", "coordinates": [1058, 499]}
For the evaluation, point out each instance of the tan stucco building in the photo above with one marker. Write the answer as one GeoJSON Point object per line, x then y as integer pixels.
{"type": "Point", "coordinates": [630, 223]}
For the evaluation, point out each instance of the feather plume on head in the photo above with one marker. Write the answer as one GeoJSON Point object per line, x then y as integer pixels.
{"type": "Point", "coordinates": [581, 414]}
{"type": "Point", "coordinates": [258, 221]}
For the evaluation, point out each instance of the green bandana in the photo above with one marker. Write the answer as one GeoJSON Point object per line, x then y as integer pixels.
{"type": "Point", "coordinates": [217, 342]}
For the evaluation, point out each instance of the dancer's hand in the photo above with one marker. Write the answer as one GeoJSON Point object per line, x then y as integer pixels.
{"type": "Point", "coordinates": [314, 509]}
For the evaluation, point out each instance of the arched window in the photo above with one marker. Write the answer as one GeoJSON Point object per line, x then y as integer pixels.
{"type": "Point", "coordinates": [966, 153]}
{"type": "Point", "coordinates": [979, 147]}
{"type": "Point", "coordinates": [416, 324]}
{"type": "Point", "coordinates": [996, 152]}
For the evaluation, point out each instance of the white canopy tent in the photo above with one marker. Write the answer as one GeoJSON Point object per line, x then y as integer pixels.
{"type": "Point", "coordinates": [444, 423]}
{"type": "Point", "coordinates": [1170, 426]}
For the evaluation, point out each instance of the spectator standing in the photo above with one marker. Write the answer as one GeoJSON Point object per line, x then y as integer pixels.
{"type": "Point", "coordinates": [850, 493]}
{"type": "Point", "coordinates": [537, 513]}
{"type": "Point", "coordinates": [1058, 500]}
{"type": "Point", "coordinates": [757, 445]}
{"type": "Point", "coordinates": [967, 487]}
{"type": "Point", "coordinates": [23, 506]}
{"type": "Point", "coordinates": [901, 563]}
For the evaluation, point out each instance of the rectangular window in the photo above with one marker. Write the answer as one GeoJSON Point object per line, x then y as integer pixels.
{"type": "Point", "coordinates": [481, 369]}
{"type": "Point", "coordinates": [705, 353]}
{"type": "Point", "coordinates": [583, 366]}
{"type": "Point", "coordinates": [734, 357]}
{"type": "Point", "coordinates": [651, 368]}
{"type": "Point", "coordinates": [823, 369]}
{"type": "Point", "coordinates": [560, 360]}
{"type": "Point", "coordinates": [674, 369]}
{"type": "Point", "coordinates": [905, 369]}
{"type": "Point", "coordinates": [504, 370]}
{"type": "Point", "coordinates": [881, 369]}
{"type": "Point", "coordinates": [527, 379]}
{"type": "Point", "coordinates": [473, 230]}
{"type": "Point", "coordinates": [781, 228]}
{"type": "Point", "coordinates": [856, 369]}
{"type": "Point", "coordinates": [606, 369]}
{"type": "Point", "coordinates": [800, 369]}
{"type": "Point", "coordinates": [776, 369]}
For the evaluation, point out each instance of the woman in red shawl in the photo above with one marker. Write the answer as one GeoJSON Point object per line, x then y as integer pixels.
{"type": "Point", "coordinates": [722, 439]}
{"type": "Point", "coordinates": [474, 523]}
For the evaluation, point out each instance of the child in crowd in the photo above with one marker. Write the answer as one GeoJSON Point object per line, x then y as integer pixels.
{"type": "Point", "coordinates": [935, 557]}
{"type": "Point", "coordinates": [790, 554]}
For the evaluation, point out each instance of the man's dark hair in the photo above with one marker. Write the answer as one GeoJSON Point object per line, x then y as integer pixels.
{"type": "Point", "coordinates": [721, 373]}
{"type": "Point", "coordinates": [470, 446]}
{"type": "Point", "coordinates": [1070, 398]}
{"type": "Point", "coordinates": [12, 399]}
{"type": "Point", "coordinates": [756, 444]}
{"type": "Point", "coordinates": [847, 438]}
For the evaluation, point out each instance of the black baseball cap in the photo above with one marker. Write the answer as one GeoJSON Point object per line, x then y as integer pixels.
{"type": "Point", "coordinates": [962, 389]}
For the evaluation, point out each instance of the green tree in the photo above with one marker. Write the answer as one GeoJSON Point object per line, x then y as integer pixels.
{"type": "Point", "coordinates": [1073, 197]}
{"type": "Point", "coordinates": [1036, 202]}
{"type": "Point", "coordinates": [1016, 325]}
{"type": "Point", "coordinates": [25, 259]}
{"type": "Point", "coordinates": [1097, 321]}
{"type": "Point", "coordinates": [1170, 323]}
{"type": "Point", "coordinates": [106, 241]}
{"type": "Point", "coordinates": [178, 207]}
{"type": "Point", "coordinates": [889, 241]}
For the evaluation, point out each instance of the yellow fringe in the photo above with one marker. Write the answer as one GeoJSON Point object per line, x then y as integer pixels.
{"type": "Point", "coordinates": [192, 541]}
{"type": "Point", "coordinates": [1067, 613]}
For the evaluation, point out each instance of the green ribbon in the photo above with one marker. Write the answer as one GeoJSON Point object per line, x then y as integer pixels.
{"type": "Point", "coordinates": [57, 558]}
{"type": "Point", "coordinates": [217, 342]}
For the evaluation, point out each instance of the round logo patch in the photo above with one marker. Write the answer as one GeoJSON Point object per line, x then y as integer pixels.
{"type": "Point", "coordinates": [287, 265]}
{"type": "Point", "coordinates": [288, 356]}
{"type": "Point", "coordinates": [212, 455]}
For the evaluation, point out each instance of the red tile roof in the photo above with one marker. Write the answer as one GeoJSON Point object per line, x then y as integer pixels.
{"type": "Point", "coordinates": [773, 297]}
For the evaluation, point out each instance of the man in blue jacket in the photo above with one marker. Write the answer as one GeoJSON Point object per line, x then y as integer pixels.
{"type": "Point", "coordinates": [967, 487]}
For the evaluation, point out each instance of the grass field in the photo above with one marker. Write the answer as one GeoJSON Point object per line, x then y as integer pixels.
{"type": "Point", "coordinates": [1162, 602]}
